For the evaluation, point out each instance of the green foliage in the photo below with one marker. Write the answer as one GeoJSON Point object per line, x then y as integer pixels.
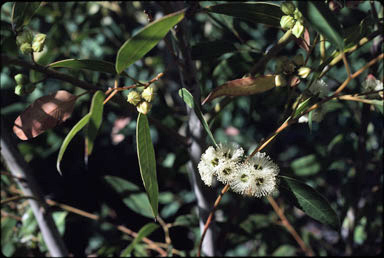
{"type": "Point", "coordinates": [144, 40]}
{"type": "Point", "coordinates": [336, 162]}
{"type": "Point", "coordinates": [147, 161]}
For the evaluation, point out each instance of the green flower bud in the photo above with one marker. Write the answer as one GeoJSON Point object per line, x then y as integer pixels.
{"type": "Point", "coordinates": [287, 22]}
{"type": "Point", "coordinates": [298, 60]}
{"type": "Point", "coordinates": [144, 107]}
{"type": "Point", "coordinates": [287, 8]}
{"type": "Point", "coordinates": [24, 37]}
{"type": "Point", "coordinates": [303, 72]}
{"type": "Point", "coordinates": [297, 14]}
{"type": "Point", "coordinates": [148, 94]}
{"type": "Point", "coordinates": [21, 79]}
{"type": "Point", "coordinates": [38, 42]}
{"type": "Point", "coordinates": [298, 29]}
{"type": "Point", "coordinates": [19, 90]}
{"type": "Point", "coordinates": [26, 48]}
{"type": "Point", "coordinates": [280, 80]}
{"type": "Point", "coordinates": [133, 97]}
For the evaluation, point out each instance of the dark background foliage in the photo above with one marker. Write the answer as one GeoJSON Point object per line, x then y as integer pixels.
{"type": "Point", "coordinates": [341, 157]}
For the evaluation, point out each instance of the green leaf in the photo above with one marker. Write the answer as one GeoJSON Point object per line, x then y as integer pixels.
{"type": "Point", "coordinates": [147, 161]}
{"type": "Point", "coordinates": [95, 119]}
{"type": "Point", "coordinates": [310, 201]}
{"type": "Point", "coordinates": [69, 138]}
{"type": "Point", "coordinates": [191, 102]}
{"type": "Point", "coordinates": [323, 21]}
{"type": "Point", "coordinates": [146, 39]}
{"type": "Point", "coordinates": [144, 231]}
{"type": "Point", "coordinates": [120, 185]}
{"type": "Point", "coordinates": [302, 106]}
{"type": "Point", "coordinates": [22, 12]}
{"type": "Point", "coordinates": [259, 12]}
{"type": "Point", "coordinates": [88, 64]}
{"type": "Point", "coordinates": [306, 166]}
{"type": "Point", "coordinates": [138, 202]}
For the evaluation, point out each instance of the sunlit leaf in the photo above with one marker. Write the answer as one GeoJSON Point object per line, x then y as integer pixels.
{"type": "Point", "coordinates": [310, 201]}
{"type": "Point", "coordinates": [83, 122]}
{"type": "Point", "coordinates": [146, 39]}
{"type": "Point", "coordinates": [258, 12]}
{"type": "Point", "coordinates": [96, 117]}
{"type": "Point", "coordinates": [147, 161]}
{"type": "Point", "coordinates": [43, 114]}
{"type": "Point", "coordinates": [88, 64]}
{"type": "Point", "coordinates": [191, 102]}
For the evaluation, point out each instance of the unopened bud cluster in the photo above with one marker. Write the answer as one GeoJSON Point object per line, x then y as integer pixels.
{"type": "Point", "coordinates": [28, 43]}
{"type": "Point", "coordinates": [287, 67]}
{"type": "Point", "coordinates": [254, 177]}
{"type": "Point", "coordinates": [142, 101]}
{"type": "Point", "coordinates": [292, 20]}
{"type": "Point", "coordinates": [22, 86]}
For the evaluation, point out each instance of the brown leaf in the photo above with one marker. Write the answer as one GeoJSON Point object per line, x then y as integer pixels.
{"type": "Point", "coordinates": [243, 87]}
{"type": "Point", "coordinates": [43, 114]}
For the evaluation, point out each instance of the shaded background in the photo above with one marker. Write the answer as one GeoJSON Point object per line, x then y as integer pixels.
{"type": "Point", "coordinates": [341, 157]}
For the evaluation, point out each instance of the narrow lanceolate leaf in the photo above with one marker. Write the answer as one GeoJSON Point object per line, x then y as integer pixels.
{"type": "Point", "coordinates": [83, 122]}
{"type": "Point", "coordinates": [259, 12]}
{"type": "Point", "coordinates": [323, 21]}
{"type": "Point", "coordinates": [143, 232]}
{"type": "Point", "coordinates": [43, 114]}
{"type": "Point", "coordinates": [146, 39]}
{"type": "Point", "coordinates": [147, 161]}
{"type": "Point", "coordinates": [88, 64]}
{"type": "Point", "coordinates": [190, 101]}
{"type": "Point", "coordinates": [22, 12]}
{"type": "Point", "coordinates": [243, 87]}
{"type": "Point", "coordinates": [310, 201]}
{"type": "Point", "coordinates": [95, 119]}
{"type": "Point", "coordinates": [302, 106]}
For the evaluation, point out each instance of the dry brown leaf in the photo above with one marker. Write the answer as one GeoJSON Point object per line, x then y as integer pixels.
{"type": "Point", "coordinates": [243, 87]}
{"type": "Point", "coordinates": [43, 114]}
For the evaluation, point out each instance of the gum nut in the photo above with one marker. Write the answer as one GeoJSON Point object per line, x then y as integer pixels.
{"type": "Point", "coordinates": [26, 48]}
{"type": "Point", "coordinates": [20, 79]}
{"type": "Point", "coordinates": [133, 97]}
{"type": "Point", "coordinates": [19, 90]}
{"type": "Point", "coordinates": [280, 80]}
{"type": "Point", "coordinates": [287, 22]}
{"type": "Point", "coordinates": [303, 72]}
{"type": "Point", "coordinates": [288, 8]}
{"type": "Point", "coordinates": [148, 94]}
{"type": "Point", "coordinates": [298, 29]}
{"type": "Point", "coordinates": [144, 107]}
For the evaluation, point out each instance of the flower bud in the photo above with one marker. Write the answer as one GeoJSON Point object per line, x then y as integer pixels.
{"type": "Point", "coordinates": [26, 48]}
{"type": "Point", "coordinates": [19, 90]}
{"type": "Point", "coordinates": [134, 97]}
{"type": "Point", "coordinates": [148, 94]}
{"type": "Point", "coordinates": [298, 60]}
{"type": "Point", "coordinates": [280, 80]}
{"type": "Point", "coordinates": [288, 8]}
{"type": "Point", "coordinates": [298, 29]}
{"type": "Point", "coordinates": [297, 14]}
{"type": "Point", "coordinates": [144, 107]}
{"type": "Point", "coordinates": [24, 37]}
{"type": "Point", "coordinates": [21, 79]}
{"type": "Point", "coordinates": [303, 72]}
{"type": "Point", "coordinates": [287, 22]}
{"type": "Point", "coordinates": [38, 42]}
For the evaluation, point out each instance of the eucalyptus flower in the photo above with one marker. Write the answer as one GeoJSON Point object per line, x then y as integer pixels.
{"type": "Point", "coordinates": [319, 88]}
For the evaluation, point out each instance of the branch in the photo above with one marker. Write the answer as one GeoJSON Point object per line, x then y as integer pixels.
{"type": "Point", "coordinates": [50, 72]}
{"type": "Point", "coordinates": [20, 169]}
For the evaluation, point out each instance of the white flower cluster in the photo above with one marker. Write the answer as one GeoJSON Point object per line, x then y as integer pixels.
{"type": "Point", "coordinates": [256, 177]}
{"type": "Point", "coordinates": [319, 88]}
{"type": "Point", "coordinates": [371, 84]}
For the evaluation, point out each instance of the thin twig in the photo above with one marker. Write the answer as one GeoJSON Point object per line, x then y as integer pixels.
{"type": "Point", "coordinates": [288, 226]}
